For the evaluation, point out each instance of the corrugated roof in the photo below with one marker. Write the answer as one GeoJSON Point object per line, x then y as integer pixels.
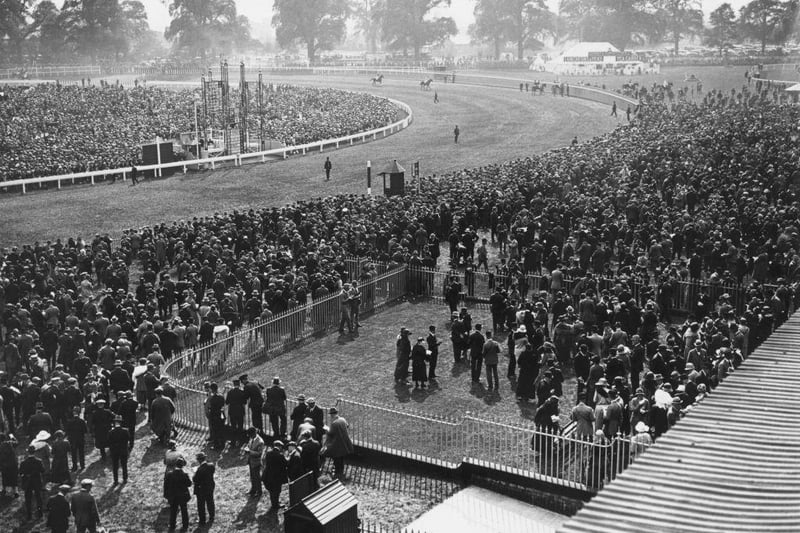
{"type": "Point", "coordinates": [732, 464]}
{"type": "Point", "coordinates": [329, 502]}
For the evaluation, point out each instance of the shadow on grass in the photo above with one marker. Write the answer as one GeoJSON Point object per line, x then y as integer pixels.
{"type": "Point", "coordinates": [459, 368]}
{"type": "Point", "coordinates": [153, 454]}
{"type": "Point", "coordinates": [247, 514]}
{"type": "Point", "coordinates": [402, 392]}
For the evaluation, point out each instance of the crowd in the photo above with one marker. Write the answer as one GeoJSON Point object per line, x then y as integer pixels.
{"type": "Point", "coordinates": [51, 129]}
{"type": "Point", "coordinates": [688, 191]}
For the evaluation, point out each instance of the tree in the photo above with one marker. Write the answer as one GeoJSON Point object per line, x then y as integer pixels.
{"type": "Point", "coordinates": [620, 22]}
{"type": "Point", "coordinates": [759, 20]}
{"type": "Point", "coordinates": [528, 23]}
{"type": "Point", "coordinates": [490, 25]}
{"type": "Point", "coordinates": [18, 21]}
{"type": "Point", "coordinates": [405, 24]}
{"type": "Point", "coordinates": [198, 26]}
{"type": "Point", "coordinates": [722, 31]}
{"type": "Point", "coordinates": [680, 17]}
{"type": "Point", "coordinates": [50, 34]}
{"type": "Point", "coordinates": [318, 24]}
{"type": "Point", "coordinates": [367, 23]}
{"type": "Point", "coordinates": [97, 27]}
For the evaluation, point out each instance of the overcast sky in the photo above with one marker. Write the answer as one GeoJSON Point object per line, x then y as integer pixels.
{"type": "Point", "coordinates": [259, 11]}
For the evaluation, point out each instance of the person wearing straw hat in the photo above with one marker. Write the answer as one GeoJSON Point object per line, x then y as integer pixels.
{"type": "Point", "coordinates": [641, 440]}
{"type": "Point", "coordinates": [43, 451]}
{"type": "Point", "coordinates": [58, 512]}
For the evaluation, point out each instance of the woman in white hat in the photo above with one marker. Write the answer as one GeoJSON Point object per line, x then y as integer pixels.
{"type": "Point", "coordinates": [43, 451]}
{"type": "Point", "coordinates": [641, 441]}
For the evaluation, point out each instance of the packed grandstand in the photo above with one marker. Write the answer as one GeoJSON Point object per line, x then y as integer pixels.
{"type": "Point", "coordinates": [52, 129]}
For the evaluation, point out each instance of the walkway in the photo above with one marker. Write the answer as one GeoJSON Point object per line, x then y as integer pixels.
{"type": "Point", "coordinates": [733, 464]}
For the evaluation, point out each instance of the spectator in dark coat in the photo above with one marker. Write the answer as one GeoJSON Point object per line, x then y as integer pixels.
{"type": "Point", "coordinates": [310, 455]}
{"type": "Point", "coordinates": [204, 488]}
{"type": "Point", "coordinates": [177, 493]}
{"type": "Point", "coordinates": [118, 440]}
{"type": "Point", "coordinates": [58, 512]}
{"type": "Point", "coordinates": [31, 472]}
{"type": "Point", "coordinates": [275, 407]}
{"type": "Point", "coordinates": [84, 508]}
{"type": "Point", "coordinates": [275, 474]}
{"type": "Point", "coordinates": [9, 465]}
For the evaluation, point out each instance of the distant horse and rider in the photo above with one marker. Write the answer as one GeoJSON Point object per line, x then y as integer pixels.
{"type": "Point", "coordinates": [377, 80]}
{"type": "Point", "coordinates": [425, 85]}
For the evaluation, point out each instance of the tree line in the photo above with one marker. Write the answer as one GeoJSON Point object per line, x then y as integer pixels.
{"type": "Point", "coordinates": [118, 29]}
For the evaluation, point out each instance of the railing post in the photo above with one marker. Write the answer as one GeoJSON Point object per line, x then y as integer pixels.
{"type": "Point", "coordinates": [59, 183]}
{"type": "Point", "coordinates": [23, 188]}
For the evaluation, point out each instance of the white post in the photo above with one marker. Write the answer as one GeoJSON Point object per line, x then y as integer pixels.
{"type": "Point", "coordinates": [158, 156]}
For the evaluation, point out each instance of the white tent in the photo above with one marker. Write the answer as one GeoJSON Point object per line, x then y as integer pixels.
{"type": "Point", "coordinates": [793, 89]}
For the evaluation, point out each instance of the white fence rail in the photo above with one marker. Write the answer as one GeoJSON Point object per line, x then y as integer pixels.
{"type": "Point", "coordinates": [237, 159]}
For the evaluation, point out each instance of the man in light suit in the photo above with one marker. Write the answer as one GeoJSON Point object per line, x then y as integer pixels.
{"type": "Point", "coordinates": [583, 415]}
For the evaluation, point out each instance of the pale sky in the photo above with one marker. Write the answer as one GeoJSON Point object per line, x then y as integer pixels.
{"type": "Point", "coordinates": [260, 12]}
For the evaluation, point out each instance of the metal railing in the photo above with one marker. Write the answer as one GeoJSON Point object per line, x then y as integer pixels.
{"type": "Point", "coordinates": [478, 286]}
{"type": "Point", "coordinates": [224, 358]}
{"type": "Point", "coordinates": [236, 159]}
{"type": "Point", "coordinates": [523, 450]}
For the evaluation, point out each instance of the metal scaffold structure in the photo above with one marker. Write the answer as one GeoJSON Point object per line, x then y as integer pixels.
{"type": "Point", "coordinates": [228, 120]}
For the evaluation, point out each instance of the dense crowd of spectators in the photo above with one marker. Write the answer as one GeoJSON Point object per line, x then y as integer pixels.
{"type": "Point", "coordinates": [51, 129]}
{"type": "Point", "coordinates": [686, 191]}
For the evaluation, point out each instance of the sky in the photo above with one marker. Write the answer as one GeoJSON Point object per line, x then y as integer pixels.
{"type": "Point", "coordinates": [260, 12]}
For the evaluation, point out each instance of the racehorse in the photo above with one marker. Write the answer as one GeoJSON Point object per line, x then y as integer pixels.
{"type": "Point", "coordinates": [378, 80]}
{"type": "Point", "coordinates": [425, 85]}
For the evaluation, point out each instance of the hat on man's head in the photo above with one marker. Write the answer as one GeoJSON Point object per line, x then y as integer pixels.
{"type": "Point", "coordinates": [42, 435]}
{"type": "Point", "coordinates": [87, 483]}
{"type": "Point", "coordinates": [333, 411]}
{"type": "Point", "coordinates": [641, 427]}
{"type": "Point", "coordinates": [301, 397]}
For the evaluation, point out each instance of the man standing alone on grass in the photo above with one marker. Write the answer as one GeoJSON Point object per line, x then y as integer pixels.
{"type": "Point", "coordinates": [327, 166]}
{"type": "Point", "coordinates": [491, 353]}
{"type": "Point", "coordinates": [456, 133]}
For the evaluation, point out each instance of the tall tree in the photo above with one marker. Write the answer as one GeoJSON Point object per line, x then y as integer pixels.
{"type": "Point", "coordinates": [198, 26]}
{"type": "Point", "coordinates": [722, 30]}
{"type": "Point", "coordinates": [490, 25]}
{"type": "Point", "coordinates": [679, 18]}
{"type": "Point", "coordinates": [18, 21]}
{"type": "Point", "coordinates": [97, 27]}
{"type": "Point", "coordinates": [406, 24]}
{"type": "Point", "coordinates": [318, 24]}
{"type": "Point", "coordinates": [529, 21]}
{"type": "Point", "coordinates": [51, 35]}
{"type": "Point", "coordinates": [621, 22]}
{"type": "Point", "coordinates": [759, 19]}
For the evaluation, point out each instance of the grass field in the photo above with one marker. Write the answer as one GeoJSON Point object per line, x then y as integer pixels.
{"type": "Point", "coordinates": [495, 125]}
{"type": "Point", "coordinates": [361, 366]}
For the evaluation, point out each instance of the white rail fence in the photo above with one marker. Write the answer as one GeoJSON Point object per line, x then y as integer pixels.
{"type": "Point", "coordinates": [237, 159]}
